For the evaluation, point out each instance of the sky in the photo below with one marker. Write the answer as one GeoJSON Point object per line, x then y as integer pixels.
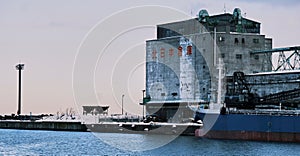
{"type": "Point", "coordinates": [48, 37]}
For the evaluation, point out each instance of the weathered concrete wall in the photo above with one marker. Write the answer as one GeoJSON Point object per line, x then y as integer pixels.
{"type": "Point", "coordinates": [235, 52]}
{"type": "Point", "coordinates": [194, 76]}
{"type": "Point", "coordinates": [173, 74]}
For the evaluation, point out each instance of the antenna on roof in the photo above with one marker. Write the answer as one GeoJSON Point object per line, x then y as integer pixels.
{"type": "Point", "coordinates": [224, 8]}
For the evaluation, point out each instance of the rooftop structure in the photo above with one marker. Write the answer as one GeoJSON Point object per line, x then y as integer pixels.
{"type": "Point", "coordinates": [95, 110]}
{"type": "Point", "coordinates": [226, 22]}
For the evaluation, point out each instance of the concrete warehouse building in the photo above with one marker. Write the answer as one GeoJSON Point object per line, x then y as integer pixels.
{"type": "Point", "coordinates": [183, 63]}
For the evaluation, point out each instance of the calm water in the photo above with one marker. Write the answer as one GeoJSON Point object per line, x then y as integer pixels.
{"type": "Point", "coordinates": [25, 142]}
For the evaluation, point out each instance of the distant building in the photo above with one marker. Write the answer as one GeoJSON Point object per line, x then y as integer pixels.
{"type": "Point", "coordinates": [95, 110]}
{"type": "Point", "coordinates": [182, 62]}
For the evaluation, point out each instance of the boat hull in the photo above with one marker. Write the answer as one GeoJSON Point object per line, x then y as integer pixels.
{"type": "Point", "coordinates": [250, 135]}
{"type": "Point", "coordinates": [259, 127]}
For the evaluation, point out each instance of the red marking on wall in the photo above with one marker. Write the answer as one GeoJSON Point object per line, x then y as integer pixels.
{"type": "Point", "coordinates": [189, 50]}
{"type": "Point", "coordinates": [154, 54]}
{"type": "Point", "coordinates": [162, 52]}
{"type": "Point", "coordinates": [171, 52]}
{"type": "Point", "coordinates": [179, 51]}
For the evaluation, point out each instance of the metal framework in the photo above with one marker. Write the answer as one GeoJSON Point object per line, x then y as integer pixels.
{"type": "Point", "coordinates": [288, 58]}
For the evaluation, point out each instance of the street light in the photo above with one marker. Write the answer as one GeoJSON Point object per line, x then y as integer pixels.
{"type": "Point", "coordinates": [122, 102]}
{"type": "Point", "coordinates": [19, 67]}
{"type": "Point", "coordinates": [143, 103]}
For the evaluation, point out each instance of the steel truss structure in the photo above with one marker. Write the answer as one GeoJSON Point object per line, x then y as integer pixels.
{"type": "Point", "coordinates": [287, 58]}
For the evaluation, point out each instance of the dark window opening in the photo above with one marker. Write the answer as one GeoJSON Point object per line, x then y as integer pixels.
{"type": "Point", "coordinates": [236, 40]}
{"type": "Point", "coordinates": [203, 89]}
{"type": "Point", "coordinates": [223, 55]}
{"type": "Point", "coordinates": [243, 40]}
{"type": "Point", "coordinates": [255, 40]}
{"type": "Point", "coordinates": [203, 67]}
{"type": "Point", "coordinates": [174, 94]}
{"type": "Point", "coordinates": [238, 56]}
{"type": "Point", "coordinates": [163, 94]}
{"type": "Point", "coordinates": [256, 57]}
{"type": "Point", "coordinates": [229, 80]}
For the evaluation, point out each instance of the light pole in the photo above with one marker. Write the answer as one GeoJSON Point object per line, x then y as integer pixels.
{"type": "Point", "coordinates": [143, 103]}
{"type": "Point", "coordinates": [122, 102]}
{"type": "Point", "coordinates": [19, 67]}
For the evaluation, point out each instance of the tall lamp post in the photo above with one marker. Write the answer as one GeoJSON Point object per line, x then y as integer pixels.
{"type": "Point", "coordinates": [143, 103]}
{"type": "Point", "coordinates": [122, 103]}
{"type": "Point", "coordinates": [19, 67]}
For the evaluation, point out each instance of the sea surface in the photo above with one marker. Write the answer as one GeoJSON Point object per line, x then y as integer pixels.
{"type": "Point", "coordinates": [33, 142]}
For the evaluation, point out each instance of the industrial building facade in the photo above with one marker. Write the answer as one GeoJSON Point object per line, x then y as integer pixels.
{"type": "Point", "coordinates": [183, 62]}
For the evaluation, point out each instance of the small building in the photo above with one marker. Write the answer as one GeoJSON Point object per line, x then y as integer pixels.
{"type": "Point", "coordinates": [95, 110]}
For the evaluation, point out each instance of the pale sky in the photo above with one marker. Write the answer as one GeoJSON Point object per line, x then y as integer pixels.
{"type": "Point", "coordinates": [46, 35]}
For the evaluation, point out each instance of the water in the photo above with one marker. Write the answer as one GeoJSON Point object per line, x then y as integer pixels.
{"type": "Point", "coordinates": [25, 142]}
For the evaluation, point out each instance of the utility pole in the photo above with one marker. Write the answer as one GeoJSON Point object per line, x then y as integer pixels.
{"type": "Point", "coordinates": [143, 103]}
{"type": "Point", "coordinates": [20, 67]}
{"type": "Point", "coordinates": [122, 103]}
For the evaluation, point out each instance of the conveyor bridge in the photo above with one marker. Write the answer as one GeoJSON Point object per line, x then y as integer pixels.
{"type": "Point", "coordinates": [287, 58]}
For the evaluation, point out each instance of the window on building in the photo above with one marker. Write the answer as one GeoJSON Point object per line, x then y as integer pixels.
{"type": "Point", "coordinates": [238, 56]}
{"type": "Point", "coordinates": [221, 39]}
{"type": "Point", "coordinates": [255, 40]}
{"type": "Point", "coordinates": [203, 67]}
{"type": "Point", "coordinates": [236, 40]}
{"type": "Point", "coordinates": [163, 94]}
{"type": "Point", "coordinates": [203, 89]}
{"type": "Point", "coordinates": [223, 55]}
{"type": "Point", "coordinates": [256, 57]}
{"type": "Point", "coordinates": [243, 40]}
{"type": "Point", "coordinates": [229, 80]}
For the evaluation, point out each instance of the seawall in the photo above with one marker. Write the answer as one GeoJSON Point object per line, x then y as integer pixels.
{"type": "Point", "coordinates": [43, 125]}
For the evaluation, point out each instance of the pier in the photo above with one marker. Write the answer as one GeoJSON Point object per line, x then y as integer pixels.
{"type": "Point", "coordinates": [43, 125]}
{"type": "Point", "coordinates": [111, 124]}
